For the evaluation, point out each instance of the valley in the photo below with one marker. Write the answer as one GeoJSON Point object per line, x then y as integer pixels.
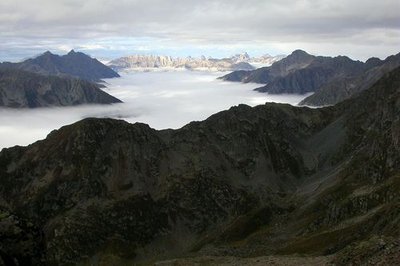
{"type": "Point", "coordinates": [270, 180]}
{"type": "Point", "coordinates": [145, 97]}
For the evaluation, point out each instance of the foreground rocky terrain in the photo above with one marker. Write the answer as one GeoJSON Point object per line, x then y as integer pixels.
{"type": "Point", "coordinates": [272, 183]}
{"type": "Point", "coordinates": [257, 261]}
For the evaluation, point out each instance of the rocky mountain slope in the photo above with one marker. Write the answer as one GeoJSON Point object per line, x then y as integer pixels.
{"type": "Point", "coordinates": [74, 64]}
{"type": "Point", "coordinates": [341, 89]}
{"type": "Point", "coordinates": [154, 62]}
{"type": "Point", "coordinates": [296, 60]}
{"type": "Point", "coordinates": [19, 89]}
{"type": "Point", "coordinates": [333, 79]}
{"type": "Point", "coordinates": [310, 78]}
{"type": "Point", "coordinates": [273, 180]}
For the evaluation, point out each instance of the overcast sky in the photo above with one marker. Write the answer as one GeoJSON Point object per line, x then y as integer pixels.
{"type": "Point", "coordinates": [111, 28]}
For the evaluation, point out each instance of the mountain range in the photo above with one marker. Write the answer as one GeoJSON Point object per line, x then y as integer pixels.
{"type": "Point", "coordinates": [269, 183]}
{"type": "Point", "coordinates": [75, 64]}
{"type": "Point", "coordinates": [344, 88]}
{"type": "Point", "coordinates": [333, 79]}
{"type": "Point", "coordinates": [53, 80]}
{"type": "Point", "coordinates": [157, 62]}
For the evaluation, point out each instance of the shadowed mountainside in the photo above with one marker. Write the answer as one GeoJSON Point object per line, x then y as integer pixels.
{"type": "Point", "coordinates": [21, 89]}
{"type": "Point", "coordinates": [270, 180]}
{"type": "Point", "coordinates": [296, 60]}
{"type": "Point", "coordinates": [333, 79]}
{"type": "Point", "coordinates": [342, 89]}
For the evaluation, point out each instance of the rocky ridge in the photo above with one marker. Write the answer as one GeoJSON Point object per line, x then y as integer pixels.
{"type": "Point", "coordinates": [75, 64]}
{"type": "Point", "coordinates": [344, 88]}
{"type": "Point", "coordinates": [157, 62]}
{"type": "Point", "coordinates": [333, 79]}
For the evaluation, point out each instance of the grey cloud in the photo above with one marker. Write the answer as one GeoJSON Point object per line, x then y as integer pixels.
{"type": "Point", "coordinates": [203, 22]}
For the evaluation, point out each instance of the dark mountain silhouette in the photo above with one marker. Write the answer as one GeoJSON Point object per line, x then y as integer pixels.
{"type": "Point", "coordinates": [342, 89]}
{"type": "Point", "coordinates": [74, 64]}
{"type": "Point", "coordinates": [247, 182]}
{"type": "Point", "coordinates": [310, 78]}
{"type": "Point", "coordinates": [297, 60]}
{"type": "Point", "coordinates": [333, 79]}
{"type": "Point", "coordinates": [19, 88]}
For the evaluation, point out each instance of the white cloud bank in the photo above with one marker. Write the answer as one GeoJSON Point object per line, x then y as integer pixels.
{"type": "Point", "coordinates": [160, 99]}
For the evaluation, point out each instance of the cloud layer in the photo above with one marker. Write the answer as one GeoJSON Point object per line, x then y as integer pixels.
{"type": "Point", "coordinates": [160, 99]}
{"type": "Point", "coordinates": [358, 28]}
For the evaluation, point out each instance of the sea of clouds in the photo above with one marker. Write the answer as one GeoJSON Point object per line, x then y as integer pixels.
{"type": "Point", "coordinates": [160, 99]}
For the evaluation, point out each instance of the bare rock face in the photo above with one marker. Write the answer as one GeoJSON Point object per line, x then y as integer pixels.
{"type": "Point", "coordinates": [273, 180]}
{"type": "Point", "coordinates": [154, 62]}
{"type": "Point", "coordinates": [22, 243]}
{"type": "Point", "coordinates": [21, 89]}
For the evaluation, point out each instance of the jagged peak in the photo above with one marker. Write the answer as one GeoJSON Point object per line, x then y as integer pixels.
{"type": "Point", "coordinates": [47, 53]}
{"type": "Point", "coordinates": [73, 52]}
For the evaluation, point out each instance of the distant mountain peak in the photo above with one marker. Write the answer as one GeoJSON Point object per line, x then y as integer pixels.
{"type": "Point", "coordinates": [75, 64]}
{"type": "Point", "coordinates": [46, 54]}
{"type": "Point", "coordinates": [240, 61]}
{"type": "Point", "coordinates": [242, 56]}
{"type": "Point", "coordinates": [79, 54]}
{"type": "Point", "coordinates": [300, 52]}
